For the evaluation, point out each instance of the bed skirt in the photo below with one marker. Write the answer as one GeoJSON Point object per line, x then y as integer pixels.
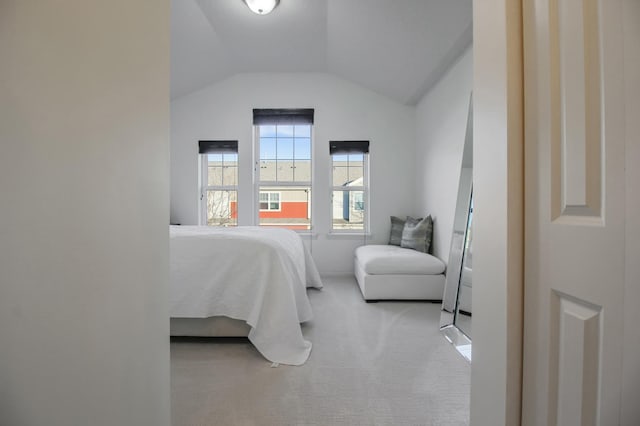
{"type": "Point", "coordinates": [218, 326]}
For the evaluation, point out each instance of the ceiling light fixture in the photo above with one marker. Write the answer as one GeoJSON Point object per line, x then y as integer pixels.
{"type": "Point", "coordinates": [261, 7]}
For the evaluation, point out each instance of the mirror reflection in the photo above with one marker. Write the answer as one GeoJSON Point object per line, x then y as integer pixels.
{"type": "Point", "coordinates": [462, 318]}
{"type": "Point", "coordinates": [455, 320]}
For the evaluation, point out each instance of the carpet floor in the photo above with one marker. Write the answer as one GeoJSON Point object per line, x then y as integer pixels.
{"type": "Point", "coordinates": [371, 364]}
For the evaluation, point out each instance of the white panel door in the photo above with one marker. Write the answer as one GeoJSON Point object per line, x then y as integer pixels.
{"type": "Point", "coordinates": [575, 218]}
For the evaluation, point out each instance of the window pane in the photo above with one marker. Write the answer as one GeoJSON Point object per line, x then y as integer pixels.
{"type": "Point", "coordinates": [230, 176]}
{"type": "Point", "coordinates": [214, 175]}
{"type": "Point", "coordinates": [358, 200]}
{"type": "Point", "coordinates": [340, 175]}
{"type": "Point", "coordinates": [340, 158]}
{"type": "Point", "coordinates": [348, 210]}
{"type": "Point", "coordinates": [264, 196]}
{"type": "Point", "coordinates": [222, 208]}
{"type": "Point", "coordinates": [294, 208]}
{"type": "Point", "coordinates": [303, 131]}
{"type": "Point", "coordinates": [284, 131]}
{"type": "Point", "coordinates": [285, 171]}
{"type": "Point", "coordinates": [222, 175]}
{"type": "Point", "coordinates": [302, 171]}
{"type": "Point", "coordinates": [268, 170]}
{"type": "Point", "coordinates": [215, 158]}
{"type": "Point", "coordinates": [356, 158]}
{"type": "Point", "coordinates": [303, 148]}
{"type": "Point", "coordinates": [285, 148]}
{"type": "Point", "coordinates": [268, 131]}
{"type": "Point", "coordinates": [230, 158]}
{"type": "Point", "coordinates": [267, 148]}
{"type": "Point", "coordinates": [356, 176]}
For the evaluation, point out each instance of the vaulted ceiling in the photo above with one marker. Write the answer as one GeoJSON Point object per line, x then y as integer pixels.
{"type": "Point", "coordinates": [398, 48]}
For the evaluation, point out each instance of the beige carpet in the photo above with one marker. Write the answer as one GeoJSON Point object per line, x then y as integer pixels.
{"type": "Point", "coordinates": [371, 364]}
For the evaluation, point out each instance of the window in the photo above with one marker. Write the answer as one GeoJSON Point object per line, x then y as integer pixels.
{"type": "Point", "coordinates": [270, 201]}
{"type": "Point", "coordinates": [219, 189]}
{"type": "Point", "coordinates": [350, 192]}
{"type": "Point", "coordinates": [283, 175]}
{"type": "Point", "coordinates": [358, 201]}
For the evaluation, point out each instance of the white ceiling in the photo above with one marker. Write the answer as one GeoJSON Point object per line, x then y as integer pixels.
{"type": "Point", "coordinates": [398, 48]}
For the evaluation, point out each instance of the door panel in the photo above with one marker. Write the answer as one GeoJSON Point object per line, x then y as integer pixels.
{"type": "Point", "coordinates": [576, 142]}
{"type": "Point", "coordinates": [574, 212]}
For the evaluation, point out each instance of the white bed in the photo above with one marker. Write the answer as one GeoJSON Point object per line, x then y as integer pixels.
{"type": "Point", "coordinates": [256, 275]}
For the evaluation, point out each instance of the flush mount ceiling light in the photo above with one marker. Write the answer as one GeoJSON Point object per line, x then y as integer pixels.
{"type": "Point", "coordinates": [261, 7]}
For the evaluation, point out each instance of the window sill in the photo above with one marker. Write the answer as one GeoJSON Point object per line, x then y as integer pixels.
{"type": "Point", "coordinates": [307, 235]}
{"type": "Point", "coordinates": [349, 235]}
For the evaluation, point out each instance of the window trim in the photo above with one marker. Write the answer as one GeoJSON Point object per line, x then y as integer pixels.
{"type": "Point", "coordinates": [204, 187]}
{"type": "Point", "coordinates": [364, 188]}
{"type": "Point", "coordinates": [257, 183]}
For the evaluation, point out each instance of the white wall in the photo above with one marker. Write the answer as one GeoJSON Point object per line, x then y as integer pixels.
{"type": "Point", "coordinates": [441, 122]}
{"type": "Point", "coordinates": [84, 116]}
{"type": "Point", "coordinates": [342, 111]}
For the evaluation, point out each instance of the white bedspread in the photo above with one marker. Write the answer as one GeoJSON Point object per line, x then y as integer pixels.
{"type": "Point", "coordinates": [254, 274]}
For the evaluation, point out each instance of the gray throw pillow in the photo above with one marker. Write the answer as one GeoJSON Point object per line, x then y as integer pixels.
{"type": "Point", "coordinates": [416, 234]}
{"type": "Point", "coordinates": [397, 225]}
{"type": "Point", "coordinates": [429, 238]}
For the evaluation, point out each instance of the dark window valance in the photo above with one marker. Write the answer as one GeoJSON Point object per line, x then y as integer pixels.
{"type": "Point", "coordinates": [283, 116]}
{"type": "Point", "coordinates": [345, 147]}
{"type": "Point", "coordinates": [205, 147]}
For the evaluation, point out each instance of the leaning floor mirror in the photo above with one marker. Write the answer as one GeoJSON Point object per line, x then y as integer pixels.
{"type": "Point", "coordinates": [455, 319]}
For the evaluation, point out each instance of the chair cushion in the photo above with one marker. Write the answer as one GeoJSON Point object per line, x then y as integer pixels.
{"type": "Point", "coordinates": [388, 259]}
